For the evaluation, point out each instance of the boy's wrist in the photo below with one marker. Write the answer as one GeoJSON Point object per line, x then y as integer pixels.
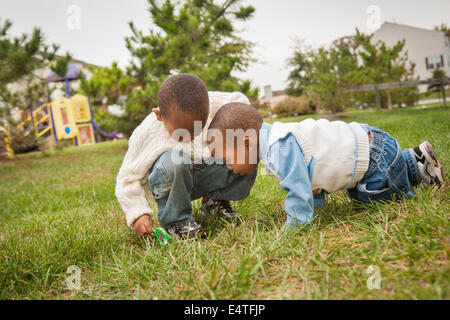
{"type": "Point", "coordinates": [140, 218]}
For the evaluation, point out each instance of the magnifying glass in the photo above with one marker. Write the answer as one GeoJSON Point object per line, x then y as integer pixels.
{"type": "Point", "coordinates": [162, 236]}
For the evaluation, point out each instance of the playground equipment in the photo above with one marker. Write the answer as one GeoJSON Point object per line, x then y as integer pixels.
{"type": "Point", "coordinates": [66, 119]}
{"type": "Point", "coordinates": [7, 142]}
{"type": "Point", "coordinates": [72, 74]}
{"type": "Point", "coordinates": [63, 119]}
{"type": "Point", "coordinates": [107, 135]}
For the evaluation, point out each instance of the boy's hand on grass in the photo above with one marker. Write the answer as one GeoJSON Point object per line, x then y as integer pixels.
{"type": "Point", "coordinates": [144, 225]}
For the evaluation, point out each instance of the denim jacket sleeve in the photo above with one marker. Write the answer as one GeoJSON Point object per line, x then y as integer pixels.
{"type": "Point", "coordinates": [287, 161]}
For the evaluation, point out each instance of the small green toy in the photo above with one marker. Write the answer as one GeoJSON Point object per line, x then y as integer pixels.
{"type": "Point", "coordinates": [162, 236]}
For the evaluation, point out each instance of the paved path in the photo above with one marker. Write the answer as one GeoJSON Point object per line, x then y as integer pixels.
{"type": "Point", "coordinates": [430, 101]}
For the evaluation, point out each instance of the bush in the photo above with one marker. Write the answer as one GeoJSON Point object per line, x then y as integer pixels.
{"type": "Point", "coordinates": [295, 106]}
{"type": "Point", "coordinates": [263, 108]}
{"type": "Point", "coordinates": [22, 143]}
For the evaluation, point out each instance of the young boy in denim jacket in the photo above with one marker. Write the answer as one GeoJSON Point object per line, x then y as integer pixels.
{"type": "Point", "coordinates": [311, 158]}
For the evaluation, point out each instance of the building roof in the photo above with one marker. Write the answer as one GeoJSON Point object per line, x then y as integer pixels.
{"type": "Point", "coordinates": [84, 63]}
{"type": "Point", "coordinates": [407, 26]}
{"type": "Point", "coordinates": [278, 93]}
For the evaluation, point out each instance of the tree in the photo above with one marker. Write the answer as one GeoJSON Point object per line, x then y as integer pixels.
{"type": "Point", "coordinates": [350, 61]}
{"type": "Point", "coordinates": [195, 36]}
{"type": "Point", "coordinates": [109, 83]}
{"type": "Point", "coordinates": [437, 74]}
{"type": "Point", "coordinates": [61, 65]}
{"type": "Point", "coordinates": [300, 77]}
{"type": "Point", "coordinates": [21, 55]}
{"type": "Point", "coordinates": [105, 87]}
{"type": "Point", "coordinates": [443, 27]}
{"type": "Point", "coordinates": [381, 64]}
{"type": "Point", "coordinates": [22, 84]}
{"type": "Point", "coordinates": [333, 68]}
{"type": "Point", "coordinates": [323, 72]}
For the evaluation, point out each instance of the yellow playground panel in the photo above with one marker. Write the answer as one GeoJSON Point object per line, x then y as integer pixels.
{"type": "Point", "coordinates": [63, 118]}
{"type": "Point", "coordinates": [9, 149]}
{"type": "Point", "coordinates": [72, 119]}
{"type": "Point", "coordinates": [81, 110]}
{"type": "Point", "coordinates": [66, 119]}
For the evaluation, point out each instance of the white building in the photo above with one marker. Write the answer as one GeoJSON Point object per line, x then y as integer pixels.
{"type": "Point", "coordinates": [428, 49]}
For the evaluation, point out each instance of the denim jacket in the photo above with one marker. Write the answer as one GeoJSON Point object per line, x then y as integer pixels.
{"type": "Point", "coordinates": [296, 179]}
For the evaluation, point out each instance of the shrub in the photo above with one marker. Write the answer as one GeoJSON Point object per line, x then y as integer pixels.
{"type": "Point", "coordinates": [22, 142]}
{"type": "Point", "coordinates": [295, 106]}
{"type": "Point", "coordinates": [263, 108]}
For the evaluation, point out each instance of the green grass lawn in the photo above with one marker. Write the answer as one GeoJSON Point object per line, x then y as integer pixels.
{"type": "Point", "coordinates": [60, 210]}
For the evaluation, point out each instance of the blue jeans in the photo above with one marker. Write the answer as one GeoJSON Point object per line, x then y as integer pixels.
{"type": "Point", "coordinates": [392, 173]}
{"type": "Point", "coordinates": [176, 183]}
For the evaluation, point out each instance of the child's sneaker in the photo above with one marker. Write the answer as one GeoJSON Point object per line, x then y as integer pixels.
{"type": "Point", "coordinates": [218, 208]}
{"type": "Point", "coordinates": [189, 230]}
{"type": "Point", "coordinates": [429, 166]}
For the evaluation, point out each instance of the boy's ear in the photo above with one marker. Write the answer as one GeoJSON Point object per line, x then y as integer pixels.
{"type": "Point", "coordinates": [248, 141]}
{"type": "Point", "coordinates": [157, 113]}
{"type": "Point", "coordinates": [250, 145]}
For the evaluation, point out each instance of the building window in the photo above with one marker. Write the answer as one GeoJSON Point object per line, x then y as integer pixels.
{"type": "Point", "coordinates": [434, 62]}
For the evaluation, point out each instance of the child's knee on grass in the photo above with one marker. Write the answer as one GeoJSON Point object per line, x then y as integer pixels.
{"type": "Point", "coordinates": [387, 176]}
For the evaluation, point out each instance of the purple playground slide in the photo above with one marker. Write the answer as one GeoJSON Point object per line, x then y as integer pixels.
{"type": "Point", "coordinates": [107, 135]}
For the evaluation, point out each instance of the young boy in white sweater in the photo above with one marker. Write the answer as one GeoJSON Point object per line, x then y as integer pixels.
{"type": "Point", "coordinates": [151, 165]}
{"type": "Point", "coordinates": [311, 158]}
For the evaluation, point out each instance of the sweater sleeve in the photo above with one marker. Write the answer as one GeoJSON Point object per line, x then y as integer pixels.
{"type": "Point", "coordinates": [288, 161]}
{"type": "Point", "coordinates": [143, 150]}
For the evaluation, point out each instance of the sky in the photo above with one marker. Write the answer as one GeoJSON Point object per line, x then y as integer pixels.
{"type": "Point", "coordinates": [94, 30]}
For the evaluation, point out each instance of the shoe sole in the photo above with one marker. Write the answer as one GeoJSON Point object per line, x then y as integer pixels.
{"type": "Point", "coordinates": [430, 155]}
{"type": "Point", "coordinates": [187, 235]}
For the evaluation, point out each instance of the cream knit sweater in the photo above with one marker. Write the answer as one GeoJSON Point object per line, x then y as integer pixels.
{"type": "Point", "coordinates": [148, 141]}
{"type": "Point", "coordinates": [340, 150]}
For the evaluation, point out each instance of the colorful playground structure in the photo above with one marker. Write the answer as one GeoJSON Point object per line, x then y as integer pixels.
{"type": "Point", "coordinates": [7, 142]}
{"type": "Point", "coordinates": [66, 118]}
{"type": "Point", "coordinates": [69, 119]}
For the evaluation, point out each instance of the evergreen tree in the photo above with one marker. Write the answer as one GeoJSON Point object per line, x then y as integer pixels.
{"type": "Point", "coordinates": [193, 36]}
{"type": "Point", "coordinates": [382, 64]}
{"type": "Point", "coordinates": [323, 72]}
{"type": "Point", "coordinates": [437, 74]}
{"type": "Point", "coordinates": [443, 27]}
{"type": "Point", "coordinates": [22, 83]}
{"type": "Point", "coordinates": [351, 61]}
{"type": "Point", "coordinates": [300, 76]}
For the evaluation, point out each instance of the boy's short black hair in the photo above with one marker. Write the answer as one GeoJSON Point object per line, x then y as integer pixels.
{"type": "Point", "coordinates": [183, 92]}
{"type": "Point", "coordinates": [236, 115]}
